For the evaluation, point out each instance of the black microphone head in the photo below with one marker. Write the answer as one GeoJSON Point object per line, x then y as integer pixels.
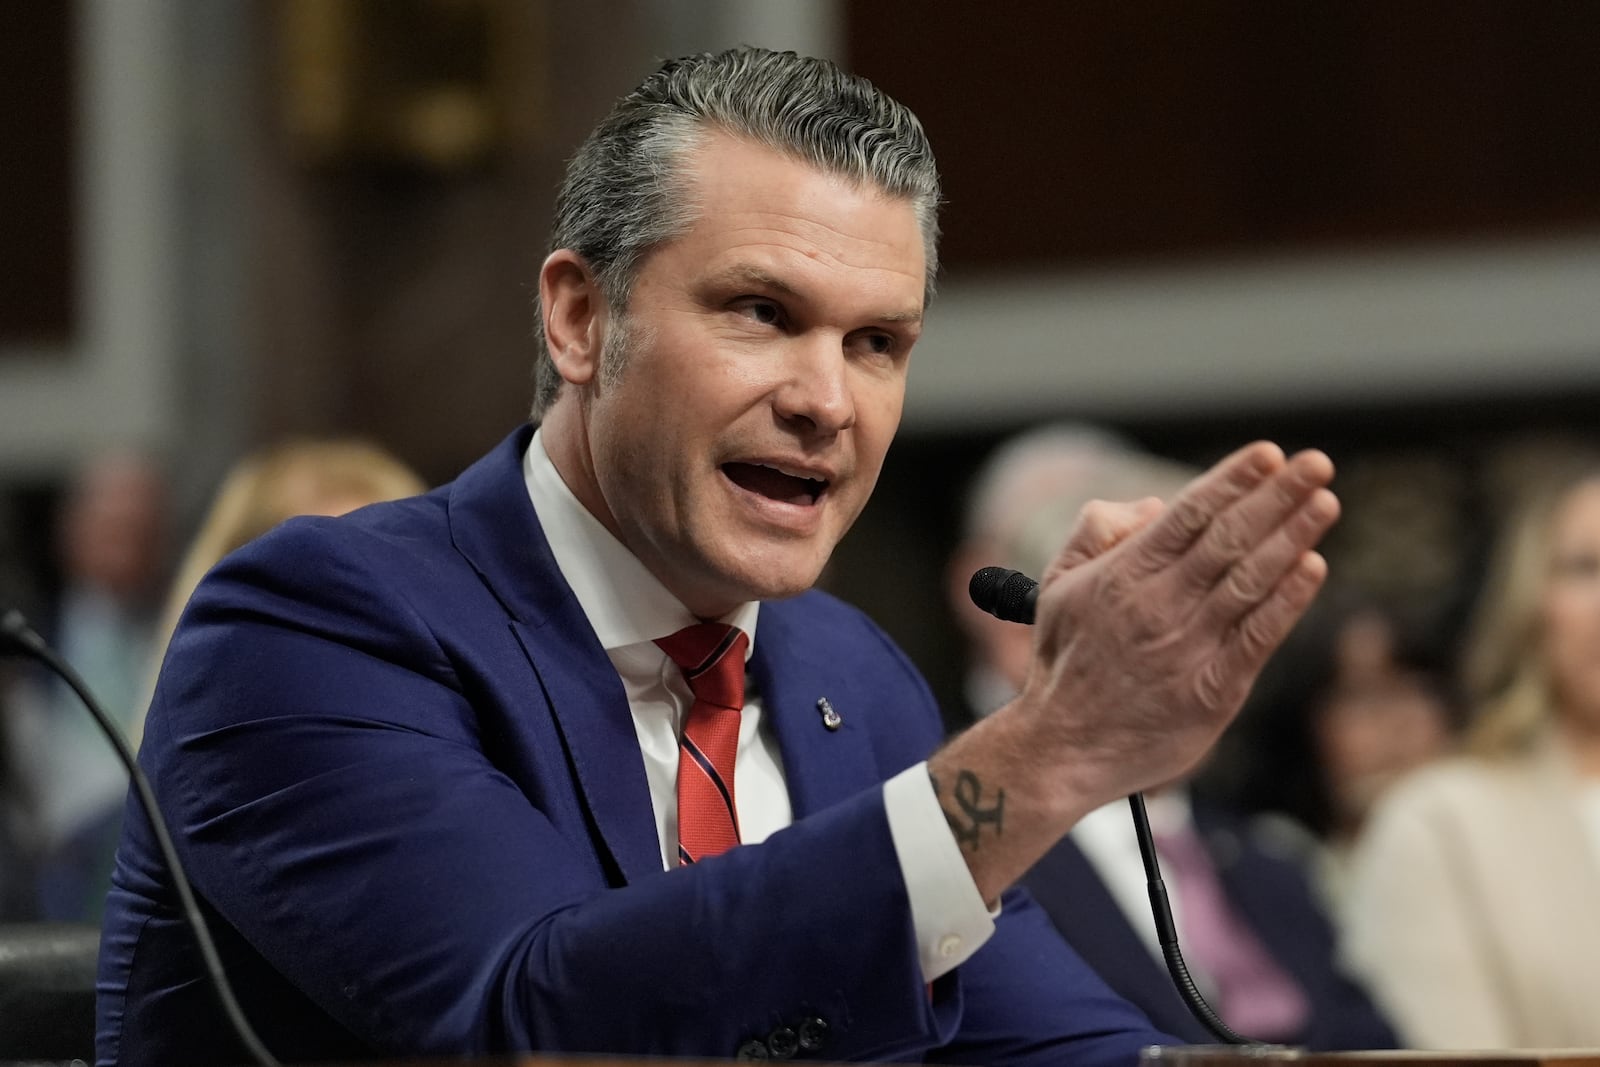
{"type": "Point", "coordinates": [1005, 594]}
{"type": "Point", "coordinates": [984, 588]}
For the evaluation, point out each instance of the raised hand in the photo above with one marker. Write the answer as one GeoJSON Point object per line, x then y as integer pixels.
{"type": "Point", "coordinates": [1151, 626]}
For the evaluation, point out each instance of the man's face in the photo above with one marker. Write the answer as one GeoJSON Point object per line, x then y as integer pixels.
{"type": "Point", "coordinates": [115, 526]}
{"type": "Point", "coordinates": [763, 378]}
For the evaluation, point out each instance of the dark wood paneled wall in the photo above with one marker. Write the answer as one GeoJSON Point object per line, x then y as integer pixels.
{"type": "Point", "coordinates": [396, 294]}
{"type": "Point", "coordinates": [38, 174]}
{"type": "Point", "coordinates": [1090, 130]}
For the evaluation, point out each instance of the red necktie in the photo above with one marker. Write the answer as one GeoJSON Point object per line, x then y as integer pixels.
{"type": "Point", "coordinates": [711, 656]}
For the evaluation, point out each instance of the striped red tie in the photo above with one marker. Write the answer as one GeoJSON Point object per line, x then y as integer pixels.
{"type": "Point", "coordinates": [711, 656]}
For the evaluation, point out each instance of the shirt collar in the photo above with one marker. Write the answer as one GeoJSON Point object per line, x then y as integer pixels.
{"type": "Point", "coordinates": [625, 603]}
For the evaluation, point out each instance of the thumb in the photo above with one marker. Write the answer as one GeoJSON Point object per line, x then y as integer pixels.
{"type": "Point", "coordinates": [1102, 525]}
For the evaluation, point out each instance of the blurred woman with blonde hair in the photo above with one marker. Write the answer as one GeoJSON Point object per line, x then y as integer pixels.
{"type": "Point", "coordinates": [1474, 896]}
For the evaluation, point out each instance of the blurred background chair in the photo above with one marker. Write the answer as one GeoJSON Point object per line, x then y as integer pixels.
{"type": "Point", "coordinates": [47, 991]}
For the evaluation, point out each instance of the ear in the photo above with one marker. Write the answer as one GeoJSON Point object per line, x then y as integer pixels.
{"type": "Point", "coordinates": [574, 315]}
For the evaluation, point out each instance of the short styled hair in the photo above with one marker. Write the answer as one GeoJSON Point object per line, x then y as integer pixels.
{"type": "Point", "coordinates": [624, 189]}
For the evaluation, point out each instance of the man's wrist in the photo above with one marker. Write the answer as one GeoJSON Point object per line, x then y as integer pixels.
{"type": "Point", "coordinates": [951, 918]}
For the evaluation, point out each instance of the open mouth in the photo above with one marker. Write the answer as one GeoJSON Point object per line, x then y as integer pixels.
{"type": "Point", "coordinates": [774, 484]}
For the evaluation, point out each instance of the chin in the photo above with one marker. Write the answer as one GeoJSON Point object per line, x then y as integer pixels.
{"type": "Point", "coordinates": [784, 592]}
{"type": "Point", "coordinates": [770, 580]}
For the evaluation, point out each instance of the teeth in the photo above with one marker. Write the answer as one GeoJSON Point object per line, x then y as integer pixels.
{"type": "Point", "coordinates": [795, 473]}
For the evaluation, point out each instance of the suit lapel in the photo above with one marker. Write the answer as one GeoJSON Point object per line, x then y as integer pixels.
{"type": "Point", "coordinates": [493, 525]}
{"type": "Point", "coordinates": [591, 711]}
{"type": "Point", "coordinates": [821, 766]}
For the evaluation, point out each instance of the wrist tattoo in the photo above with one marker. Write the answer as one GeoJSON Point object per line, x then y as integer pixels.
{"type": "Point", "coordinates": [968, 824]}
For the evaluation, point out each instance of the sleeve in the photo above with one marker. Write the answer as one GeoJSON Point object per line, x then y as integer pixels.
{"type": "Point", "coordinates": [1414, 932]}
{"type": "Point", "coordinates": [325, 772]}
{"type": "Point", "coordinates": [947, 911]}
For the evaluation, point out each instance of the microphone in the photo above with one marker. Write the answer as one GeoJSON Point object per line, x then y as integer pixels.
{"type": "Point", "coordinates": [1005, 594]}
{"type": "Point", "coordinates": [16, 633]}
{"type": "Point", "coordinates": [1013, 596]}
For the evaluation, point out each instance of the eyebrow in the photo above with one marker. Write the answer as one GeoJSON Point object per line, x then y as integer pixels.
{"type": "Point", "coordinates": [739, 277]}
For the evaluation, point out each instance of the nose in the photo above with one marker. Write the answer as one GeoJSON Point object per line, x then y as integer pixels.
{"type": "Point", "coordinates": [816, 387]}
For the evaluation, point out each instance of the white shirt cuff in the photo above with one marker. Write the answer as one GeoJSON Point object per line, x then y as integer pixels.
{"type": "Point", "coordinates": [951, 920]}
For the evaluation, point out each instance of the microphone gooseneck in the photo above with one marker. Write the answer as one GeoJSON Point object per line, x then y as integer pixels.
{"type": "Point", "coordinates": [1167, 933]}
{"type": "Point", "coordinates": [16, 632]}
{"type": "Point", "coordinates": [1013, 596]}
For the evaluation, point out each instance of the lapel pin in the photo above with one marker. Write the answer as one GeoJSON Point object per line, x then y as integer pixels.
{"type": "Point", "coordinates": [830, 718]}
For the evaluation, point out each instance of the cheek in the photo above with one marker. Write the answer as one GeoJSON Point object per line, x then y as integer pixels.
{"type": "Point", "coordinates": [628, 447]}
{"type": "Point", "coordinates": [878, 419]}
{"type": "Point", "coordinates": [1344, 741]}
{"type": "Point", "coordinates": [1568, 625]}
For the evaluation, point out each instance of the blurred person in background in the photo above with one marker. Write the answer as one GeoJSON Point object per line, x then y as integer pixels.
{"type": "Point", "coordinates": [297, 477]}
{"type": "Point", "coordinates": [112, 536]}
{"type": "Point", "coordinates": [1358, 697]}
{"type": "Point", "coordinates": [1474, 888]}
{"type": "Point", "coordinates": [1254, 936]}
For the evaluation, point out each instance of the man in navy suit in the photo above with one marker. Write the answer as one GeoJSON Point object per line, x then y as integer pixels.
{"type": "Point", "coordinates": [421, 760]}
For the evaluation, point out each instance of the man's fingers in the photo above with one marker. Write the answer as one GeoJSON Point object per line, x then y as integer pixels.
{"type": "Point", "coordinates": [1102, 525]}
{"type": "Point", "coordinates": [1247, 645]}
{"type": "Point", "coordinates": [1197, 507]}
{"type": "Point", "coordinates": [1253, 577]}
{"type": "Point", "coordinates": [1241, 529]}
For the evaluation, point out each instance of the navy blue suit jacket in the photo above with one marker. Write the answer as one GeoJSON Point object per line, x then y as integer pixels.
{"type": "Point", "coordinates": [404, 778]}
{"type": "Point", "coordinates": [1269, 891]}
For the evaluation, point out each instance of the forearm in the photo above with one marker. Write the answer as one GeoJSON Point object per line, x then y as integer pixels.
{"type": "Point", "coordinates": [991, 787]}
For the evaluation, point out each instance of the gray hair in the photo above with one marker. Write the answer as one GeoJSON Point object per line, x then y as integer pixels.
{"type": "Point", "coordinates": [624, 192]}
{"type": "Point", "coordinates": [1025, 499]}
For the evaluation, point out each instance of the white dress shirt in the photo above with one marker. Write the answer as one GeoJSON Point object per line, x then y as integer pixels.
{"type": "Point", "coordinates": [1107, 839]}
{"type": "Point", "coordinates": [629, 608]}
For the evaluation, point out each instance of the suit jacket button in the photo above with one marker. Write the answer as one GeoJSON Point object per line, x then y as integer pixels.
{"type": "Point", "coordinates": [813, 1034]}
{"type": "Point", "coordinates": [783, 1043]}
{"type": "Point", "coordinates": [753, 1050]}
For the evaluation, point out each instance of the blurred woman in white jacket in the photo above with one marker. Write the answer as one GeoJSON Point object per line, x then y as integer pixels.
{"type": "Point", "coordinates": [1475, 907]}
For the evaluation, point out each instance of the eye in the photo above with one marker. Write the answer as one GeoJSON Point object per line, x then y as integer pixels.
{"type": "Point", "coordinates": [878, 345]}
{"type": "Point", "coordinates": [1580, 566]}
{"type": "Point", "coordinates": [764, 312]}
